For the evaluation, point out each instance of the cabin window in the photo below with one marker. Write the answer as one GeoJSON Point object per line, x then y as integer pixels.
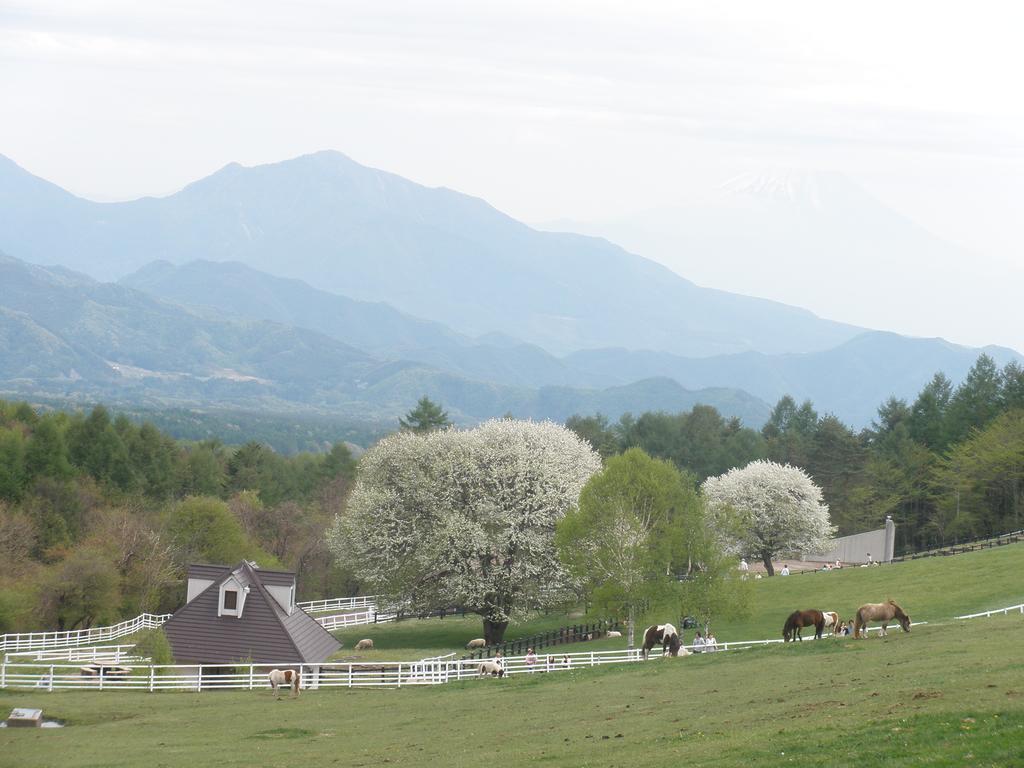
{"type": "Point", "coordinates": [230, 599]}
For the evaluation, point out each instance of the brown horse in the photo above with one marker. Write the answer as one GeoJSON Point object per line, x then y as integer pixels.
{"type": "Point", "coordinates": [883, 612]}
{"type": "Point", "coordinates": [798, 620]}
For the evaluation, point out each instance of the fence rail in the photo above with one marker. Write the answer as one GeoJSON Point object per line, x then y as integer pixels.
{"type": "Point", "coordinates": [338, 604]}
{"type": "Point", "coordinates": [988, 542]}
{"type": "Point", "coordinates": [106, 654]}
{"type": "Point", "coordinates": [31, 641]}
{"type": "Point", "coordinates": [1003, 611]}
{"type": "Point", "coordinates": [342, 620]}
{"type": "Point", "coordinates": [380, 674]}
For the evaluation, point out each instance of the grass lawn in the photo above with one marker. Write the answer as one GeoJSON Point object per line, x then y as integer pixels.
{"type": "Point", "coordinates": [931, 589]}
{"type": "Point", "coordinates": [950, 694]}
{"type": "Point", "coordinates": [412, 639]}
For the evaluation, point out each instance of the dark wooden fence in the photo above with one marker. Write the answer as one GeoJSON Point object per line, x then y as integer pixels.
{"type": "Point", "coordinates": [968, 546]}
{"type": "Point", "coordinates": [574, 634]}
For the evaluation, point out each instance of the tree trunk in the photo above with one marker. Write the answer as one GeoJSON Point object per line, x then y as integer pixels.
{"type": "Point", "coordinates": [766, 558]}
{"type": "Point", "coordinates": [494, 631]}
{"type": "Point", "coordinates": [630, 626]}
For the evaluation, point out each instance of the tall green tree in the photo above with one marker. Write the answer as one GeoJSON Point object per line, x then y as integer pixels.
{"type": "Point", "coordinates": [425, 417]}
{"type": "Point", "coordinates": [626, 539]}
{"type": "Point", "coordinates": [977, 400]}
{"type": "Point", "coordinates": [929, 414]}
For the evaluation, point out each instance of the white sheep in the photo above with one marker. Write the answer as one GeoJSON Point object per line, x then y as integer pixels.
{"type": "Point", "coordinates": [613, 633]}
{"type": "Point", "coordinates": [366, 644]}
{"type": "Point", "coordinates": [478, 643]}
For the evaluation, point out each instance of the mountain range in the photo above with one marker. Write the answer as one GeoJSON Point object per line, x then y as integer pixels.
{"type": "Point", "coordinates": [65, 334]}
{"type": "Point", "coordinates": [815, 238]}
{"type": "Point", "coordinates": [849, 380]}
{"type": "Point", "coordinates": [417, 291]}
{"type": "Point", "coordinates": [433, 253]}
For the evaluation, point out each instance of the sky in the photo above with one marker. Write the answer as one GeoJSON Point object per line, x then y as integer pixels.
{"type": "Point", "coordinates": [582, 111]}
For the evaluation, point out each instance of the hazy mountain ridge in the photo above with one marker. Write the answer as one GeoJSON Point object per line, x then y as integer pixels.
{"type": "Point", "coordinates": [68, 335]}
{"type": "Point", "coordinates": [433, 253]}
{"type": "Point", "coordinates": [851, 380]}
{"type": "Point", "coordinates": [813, 238]}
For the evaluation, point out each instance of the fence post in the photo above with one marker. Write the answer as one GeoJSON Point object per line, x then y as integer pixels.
{"type": "Point", "coordinates": [50, 685]}
{"type": "Point", "coordinates": [349, 675]}
{"type": "Point", "coordinates": [251, 669]}
{"type": "Point", "coordinates": [399, 674]}
{"type": "Point", "coordinates": [199, 680]}
{"type": "Point", "coordinates": [3, 674]}
{"type": "Point", "coordinates": [150, 678]}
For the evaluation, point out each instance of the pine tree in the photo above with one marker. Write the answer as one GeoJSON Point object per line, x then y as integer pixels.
{"type": "Point", "coordinates": [425, 417]}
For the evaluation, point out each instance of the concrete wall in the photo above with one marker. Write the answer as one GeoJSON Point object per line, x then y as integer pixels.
{"type": "Point", "coordinates": [854, 549]}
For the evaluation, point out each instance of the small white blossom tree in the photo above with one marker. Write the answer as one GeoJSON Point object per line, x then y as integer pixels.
{"type": "Point", "coordinates": [779, 509]}
{"type": "Point", "coordinates": [465, 517]}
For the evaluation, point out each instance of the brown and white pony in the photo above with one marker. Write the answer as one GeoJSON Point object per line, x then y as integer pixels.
{"type": "Point", "coordinates": [664, 635]}
{"type": "Point", "coordinates": [284, 677]}
{"type": "Point", "coordinates": [883, 612]}
{"type": "Point", "coordinates": [798, 620]}
{"type": "Point", "coordinates": [832, 620]}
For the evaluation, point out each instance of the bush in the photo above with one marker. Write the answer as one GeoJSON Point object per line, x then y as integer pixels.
{"type": "Point", "coordinates": [154, 644]}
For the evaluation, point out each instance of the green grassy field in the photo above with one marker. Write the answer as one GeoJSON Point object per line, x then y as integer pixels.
{"type": "Point", "coordinates": [948, 693]}
{"type": "Point", "coordinates": [419, 638]}
{"type": "Point", "coordinates": [929, 590]}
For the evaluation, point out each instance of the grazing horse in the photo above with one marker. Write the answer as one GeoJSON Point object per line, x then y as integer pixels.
{"type": "Point", "coordinates": [883, 612]}
{"type": "Point", "coordinates": [287, 677]}
{"type": "Point", "coordinates": [798, 620]}
{"type": "Point", "coordinates": [664, 635]}
{"type": "Point", "coordinates": [832, 620]}
{"type": "Point", "coordinates": [492, 668]}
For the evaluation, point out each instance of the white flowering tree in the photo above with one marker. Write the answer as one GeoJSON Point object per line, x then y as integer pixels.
{"type": "Point", "coordinates": [465, 517]}
{"type": "Point", "coordinates": [777, 509]}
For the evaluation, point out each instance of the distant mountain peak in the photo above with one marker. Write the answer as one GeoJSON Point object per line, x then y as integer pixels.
{"type": "Point", "coordinates": [804, 187]}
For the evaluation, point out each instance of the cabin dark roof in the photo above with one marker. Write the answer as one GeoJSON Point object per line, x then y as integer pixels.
{"type": "Point", "coordinates": [265, 632]}
{"type": "Point", "coordinates": [205, 571]}
{"type": "Point", "coordinates": [276, 578]}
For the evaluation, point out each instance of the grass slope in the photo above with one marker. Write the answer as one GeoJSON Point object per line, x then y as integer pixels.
{"type": "Point", "coordinates": [949, 693]}
{"type": "Point", "coordinates": [929, 590]}
{"type": "Point", "coordinates": [942, 695]}
{"type": "Point", "coordinates": [932, 589]}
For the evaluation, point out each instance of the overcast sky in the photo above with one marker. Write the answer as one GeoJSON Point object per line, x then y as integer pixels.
{"type": "Point", "coordinates": [549, 110]}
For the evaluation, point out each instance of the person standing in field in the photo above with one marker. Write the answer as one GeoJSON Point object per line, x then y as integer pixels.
{"type": "Point", "coordinates": [531, 659]}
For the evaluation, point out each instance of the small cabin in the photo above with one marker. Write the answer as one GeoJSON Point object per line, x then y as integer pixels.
{"type": "Point", "coordinates": [242, 613]}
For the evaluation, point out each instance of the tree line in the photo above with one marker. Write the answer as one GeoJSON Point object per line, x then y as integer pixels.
{"type": "Point", "coordinates": [99, 516]}
{"type": "Point", "coordinates": [947, 466]}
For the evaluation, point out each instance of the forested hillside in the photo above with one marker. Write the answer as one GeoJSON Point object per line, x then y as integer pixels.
{"type": "Point", "coordinates": [99, 516]}
{"type": "Point", "coordinates": [948, 466]}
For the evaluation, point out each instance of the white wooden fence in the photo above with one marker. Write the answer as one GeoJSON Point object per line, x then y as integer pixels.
{"type": "Point", "coordinates": [368, 674]}
{"type": "Point", "coordinates": [996, 612]}
{"type": "Point", "coordinates": [31, 641]}
{"type": "Point", "coordinates": [343, 620]}
{"type": "Point", "coordinates": [367, 602]}
{"type": "Point", "coordinates": [101, 654]}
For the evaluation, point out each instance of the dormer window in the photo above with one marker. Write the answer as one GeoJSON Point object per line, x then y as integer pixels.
{"type": "Point", "coordinates": [232, 598]}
